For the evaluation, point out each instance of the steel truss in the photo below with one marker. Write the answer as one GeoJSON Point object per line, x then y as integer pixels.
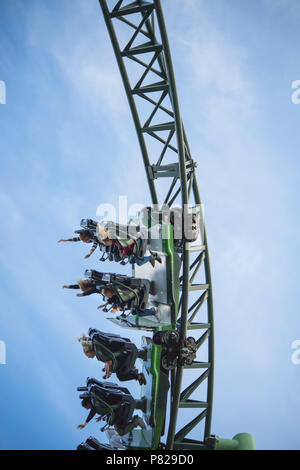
{"type": "Point", "coordinates": [147, 52]}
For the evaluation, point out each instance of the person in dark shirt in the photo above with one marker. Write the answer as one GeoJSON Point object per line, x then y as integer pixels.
{"type": "Point", "coordinates": [85, 236]}
{"type": "Point", "coordinates": [118, 354]}
{"type": "Point", "coordinates": [87, 404]}
{"type": "Point", "coordinates": [134, 422]}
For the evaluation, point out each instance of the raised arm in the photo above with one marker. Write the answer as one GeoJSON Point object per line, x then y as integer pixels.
{"type": "Point", "coordinates": [88, 419]}
{"type": "Point", "coordinates": [92, 290]}
{"type": "Point", "coordinates": [116, 309]}
{"type": "Point", "coordinates": [75, 239]}
{"type": "Point", "coordinates": [104, 305]}
{"type": "Point", "coordinates": [95, 244]}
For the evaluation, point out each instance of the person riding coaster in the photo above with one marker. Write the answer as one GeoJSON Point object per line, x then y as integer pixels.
{"type": "Point", "coordinates": [118, 241]}
{"type": "Point", "coordinates": [111, 253]}
{"type": "Point", "coordinates": [126, 240]}
{"type": "Point", "coordinates": [130, 246]}
{"type": "Point", "coordinates": [119, 291]}
{"type": "Point", "coordinates": [113, 404]}
{"type": "Point", "coordinates": [118, 354]}
{"type": "Point", "coordinates": [87, 287]}
{"type": "Point", "coordinates": [122, 299]}
{"type": "Point", "coordinates": [86, 236]}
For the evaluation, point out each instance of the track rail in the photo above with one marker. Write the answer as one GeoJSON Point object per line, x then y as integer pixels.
{"type": "Point", "coordinates": [144, 59]}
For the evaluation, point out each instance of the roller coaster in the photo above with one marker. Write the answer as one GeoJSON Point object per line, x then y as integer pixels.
{"type": "Point", "coordinates": [170, 297]}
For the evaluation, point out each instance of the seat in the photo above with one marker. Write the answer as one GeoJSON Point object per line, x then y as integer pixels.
{"type": "Point", "coordinates": [96, 445]}
{"type": "Point", "coordinates": [118, 401]}
{"type": "Point", "coordinates": [138, 301]}
{"type": "Point", "coordinates": [122, 231]}
{"type": "Point", "coordinates": [113, 341]}
{"type": "Point", "coordinates": [122, 282]}
{"type": "Point", "coordinates": [89, 224]}
{"type": "Point", "coordinates": [84, 446]}
{"type": "Point", "coordinates": [93, 444]}
{"type": "Point", "coordinates": [187, 226]}
{"type": "Point", "coordinates": [116, 344]}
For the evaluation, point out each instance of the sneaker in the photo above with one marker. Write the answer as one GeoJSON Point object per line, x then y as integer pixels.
{"type": "Point", "coordinates": [155, 312]}
{"type": "Point", "coordinates": [140, 422]}
{"type": "Point", "coordinates": [155, 257]}
{"type": "Point", "coordinates": [158, 258]}
{"type": "Point", "coordinates": [141, 379]}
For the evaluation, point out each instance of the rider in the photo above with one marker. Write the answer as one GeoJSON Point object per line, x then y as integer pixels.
{"type": "Point", "coordinates": [134, 422]}
{"type": "Point", "coordinates": [86, 236]}
{"type": "Point", "coordinates": [128, 247]}
{"type": "Point", "coordinates": [87, 287]}
{"type": "Point", "coordinates": [113, 403]}
{"type": "Point", "coordinates": [120, 296]}
{"type": "Point", "coordinates": [118, 354]}
{"type": "Point", "coordinates": [121, 300]}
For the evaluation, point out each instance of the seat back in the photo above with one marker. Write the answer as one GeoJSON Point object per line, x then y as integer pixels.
{"type": "Point", "coordinates": [97, 445]}
{"type": "Point", "coordinates": [84, 446]}
{"type": "Point", "coordinates": [137, 292]}
{"type": "Point", "coordinates": [124, 232]}
{"type": "Point", "coordinates": [186, 226]}
{"type": "Point", "coordinates": [99, 403]}
{"type": "Point", "coordinates": [103, 394]}
{"type": "Point", "coordinates": [89, 224]}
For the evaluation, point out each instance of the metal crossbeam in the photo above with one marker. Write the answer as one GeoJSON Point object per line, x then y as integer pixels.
{"type": "Point", "coordinates": [135, 7]}
{"type": "Point", "coordinates": [198, 326]}
{"type": "Point", "coordinates": [185, 394]}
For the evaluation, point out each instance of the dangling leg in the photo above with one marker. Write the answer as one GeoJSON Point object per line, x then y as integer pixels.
{"type": "Point", "coordinates": [151, 258]}
{"type": "Point", "coordinates": [133, 374]}
{"type": "Point", "coordinates": [133, 423]}
{"type": "Point", "coordinates": [141, 261]}
{"type": "Point", "coordinates": [126, 372]}
{"type": "Point", "coordinates": [147, 312]}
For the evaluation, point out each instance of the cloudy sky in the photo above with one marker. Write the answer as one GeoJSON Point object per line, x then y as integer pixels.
{"type": "Point", "coordinates": [67, 142]}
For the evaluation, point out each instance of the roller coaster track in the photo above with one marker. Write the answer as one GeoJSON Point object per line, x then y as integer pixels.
{"type": "Point", "coordinates": [146, 69]}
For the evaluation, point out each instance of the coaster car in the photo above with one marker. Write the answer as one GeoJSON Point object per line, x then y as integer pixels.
{"type": "Point", "coordinates": [120, 284]}
{"type": "Point", "coordinates": [115, 348]}
{"type": "Point", "coordinates": [93, 444]}
{"type": "Point", "coordinates": [109, 399]}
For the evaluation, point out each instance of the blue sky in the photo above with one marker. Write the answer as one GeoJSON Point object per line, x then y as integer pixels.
{"type": "Point", "coordinates": [67, 139]}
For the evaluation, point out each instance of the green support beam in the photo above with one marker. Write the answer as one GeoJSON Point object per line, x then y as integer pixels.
{"type": "Point", "coordinates": [153, 56]}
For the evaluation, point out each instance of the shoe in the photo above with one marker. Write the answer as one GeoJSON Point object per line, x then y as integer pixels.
{"type": "Point", "coordinates": [158, 258]}
{"type": "Point", "coordinates": [140, 422]}
{"type": "Point", "coordinates": [155, 257]}
{"type": "Point", "coordinates": [155, 311]}
{"type": "Point", "coordinates": [141, 379]}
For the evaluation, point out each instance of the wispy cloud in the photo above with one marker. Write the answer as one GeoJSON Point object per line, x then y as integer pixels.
{"type": "Point", "coordinates": [79, 149]}
{"type": "Point", "coordinates": [290, 7]}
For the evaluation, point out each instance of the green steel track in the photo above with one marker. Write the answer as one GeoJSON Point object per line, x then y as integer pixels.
{"type": "Point", "coordinates": [145, 65]}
